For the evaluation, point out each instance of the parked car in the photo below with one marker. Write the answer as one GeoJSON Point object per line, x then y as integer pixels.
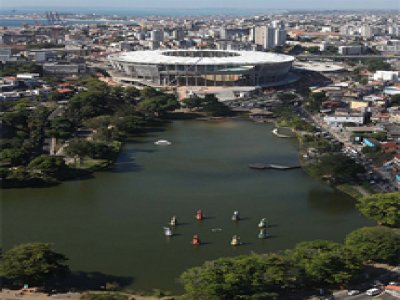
{"type": "Point", "coordinates": [373, 292]}
{"type": "Point", "coordinates": [353, 292]}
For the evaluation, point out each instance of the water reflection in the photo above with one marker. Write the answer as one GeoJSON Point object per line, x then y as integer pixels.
{"type": "Point", "coordinates": [330, 201]}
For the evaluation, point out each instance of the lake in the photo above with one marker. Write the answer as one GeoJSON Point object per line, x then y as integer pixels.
{"type": "Point", "coordinates": [113, 223]}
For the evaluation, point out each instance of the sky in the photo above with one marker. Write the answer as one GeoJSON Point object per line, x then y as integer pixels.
{"type": "Point", "coordinates": [201, 4]}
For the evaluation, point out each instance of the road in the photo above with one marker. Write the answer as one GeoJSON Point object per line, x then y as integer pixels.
{"type": "Point", "coordinates": [317, 57]}
{"type": "Point", "coordinates": [344, 139]}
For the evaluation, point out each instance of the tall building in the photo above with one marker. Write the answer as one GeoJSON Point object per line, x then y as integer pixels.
{"type": "Point", "coordinates": [157, 35]}
{"type": "Point", "coordinates": [393, 29]}
{"type": "Point", "coordinates": [223, 33]}
{"type": "Point", "coordinates": [270, 36]}
{"type": "Point", "coordinates": [278, 24]}
{"type": "Point", "coordinates": [178, 34]}
{"type": "Point", "coordinates": [280, 37]}
{"type": "Point", "coordinates": [265, 37]}
{"type": "Point", "coordinates": [366, 31]}
{"type": "Point", "coordinates": [252, 34]}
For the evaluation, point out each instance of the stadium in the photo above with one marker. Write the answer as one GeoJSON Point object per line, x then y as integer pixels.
{"type": "Point", "coordinates": [168, 68]}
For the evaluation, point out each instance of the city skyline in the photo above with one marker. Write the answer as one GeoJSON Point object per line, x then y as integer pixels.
{"type": "Point", "coordinates": [208, 4]}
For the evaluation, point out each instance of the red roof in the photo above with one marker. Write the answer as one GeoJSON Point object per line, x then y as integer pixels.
{"type": "Point", "coordinates": [392, 287]}
{"type": "Point", "coordinates": [65, 85]}
{"type": "Point", "coordinates": [64, 91]}
{"type": "Point", "coordinates": [388, 145]}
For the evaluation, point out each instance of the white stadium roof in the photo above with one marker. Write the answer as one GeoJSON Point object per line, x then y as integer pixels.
{"type": "Point", "coordinates": [238, 58]}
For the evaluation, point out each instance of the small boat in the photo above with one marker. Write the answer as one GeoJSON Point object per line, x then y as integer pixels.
{"type": "Point", "coordinates": [196, 240]}
{"type": "Point", "coordinates": [235, 216]}
{"type": "Point", "coordinates": [236, 240]}
{"type": "Point", "coordinates": [168, 231]}
{"type": "Point", "coordinates": [199, 215]}
{"type": "Point", "coordinates": [263, 223]}
{"type": "Point", "coordinates": [263, 234]}
{"type": "Point", "coordinates": [162, 143]}
{"type": "Point", "coordinates": [173, 221]}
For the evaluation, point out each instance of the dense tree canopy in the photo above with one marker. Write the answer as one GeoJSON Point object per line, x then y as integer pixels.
{"type": "Point", "coordinates": [48, 165]}
{"type": "Point", "coordinates": [382, 208]}
{"type": "Point", "coordinates": [338, 167]}
{"type": "Point", "coordinates": [209, 104]}
{"type": "Point", "coordinates": [315, 100]}
{"type": "Point", "coordinates": [245, 277]}
{"type": "Point", "coordinates": [14, 69]}
{"type": "Point", "coordinates": [32, 264]}
{"type": "Point", "coordinates": [376, 64]}
{"type": "Point", "coordinates": [325, 262]}
{"type": "Point", "coordinates": [377, 244]}
{"type": "Point", "coordinates": [158, 104]}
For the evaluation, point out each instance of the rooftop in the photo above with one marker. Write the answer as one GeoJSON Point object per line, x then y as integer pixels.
{"type": "Point", "coordinates": [201, 57]}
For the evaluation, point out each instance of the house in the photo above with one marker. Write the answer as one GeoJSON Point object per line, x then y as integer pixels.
{"type": "Point", "coordinates": [339, 119]}
{"type": "Point", "coordinates": [394, 290]}
{"type": "Point", "coordinates": [389, 147]}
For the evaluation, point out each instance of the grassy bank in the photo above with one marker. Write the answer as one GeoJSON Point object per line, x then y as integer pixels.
{"type": "Point", "coordinates": [313, 146]}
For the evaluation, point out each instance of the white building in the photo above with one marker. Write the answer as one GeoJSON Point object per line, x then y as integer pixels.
{"type": "Point", "coordinates": [387, 75]}
{"type": "Point", "coordinates": [265, 36]}
{"type": "Point", "coordinates": [269, 36]}
{"type": "Point", "coordinates": [351, 50]}
{"type": "Point", "coordinates": [338, 120]}
{"type": "Point", "coordinates": [326, 28]}
{"type": "Point", "coordinates": [393, 29]}
{"type": "Point", "coordinates": [366, 31]}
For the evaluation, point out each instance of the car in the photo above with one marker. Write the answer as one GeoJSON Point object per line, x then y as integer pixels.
{"type": "Point", "coordinates": [394, 283]}
{"type": "Point", "coordinates": [373, 292]}
{"type": "Point", "coordinates": [353, 292]}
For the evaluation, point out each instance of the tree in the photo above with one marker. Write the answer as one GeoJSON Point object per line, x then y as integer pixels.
{"type": "Point", "coordinates": [32, 264]}
{"type": "Point", "coordinates": [131, 93]}
{"type": "Point", "coordinates": [88, 104]}
{"type": "Point", "coordinates": [15, 156]}
{"type": "Point", "coordinates": [102, 150]}
{"type": "Point", "coordinates": [377, 244]}
{"type": "Point", "coordinates": [215, 108]}
{"type": "Point", "coordinates": [244, 277]}
{"type": "Point", "coordinates": [192, 102]}
{"type": "Point", "coordinates": [315, 100]}
{"type": "Point", "coordinates": [61, 128]}
{"type": "Point", "coordinates": [79, 148]}
{"type": "Point", "coordinates": [158, 105]}
{"type": "Point", "coordinates": [338, 167]}
{"type": "Point", "coordinates": [325, 262]}
{"type": "Point", "coordinates": [130, 124]}
{"type": "Point", "coordinates": [364, 80]}
{"type": "Point", "coordinates": [286, 97]}
{"type": "Point", "coordinates": [382, 208]}
{"type": "Point", "coordinates": [48, 165]}
{"type": "Point", "coordinates": [395, 100]}
{"type": "Point", "coordinates": [375, 64]}
{"type": "Point", "coordinates": [149, 92]}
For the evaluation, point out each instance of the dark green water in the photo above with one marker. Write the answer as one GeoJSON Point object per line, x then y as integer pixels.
{"type": "Point", "coordinates": [113, 223]}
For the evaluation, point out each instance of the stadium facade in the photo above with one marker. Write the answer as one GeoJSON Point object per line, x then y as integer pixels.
{"type": "Point", "coordinates": [202, 67]}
